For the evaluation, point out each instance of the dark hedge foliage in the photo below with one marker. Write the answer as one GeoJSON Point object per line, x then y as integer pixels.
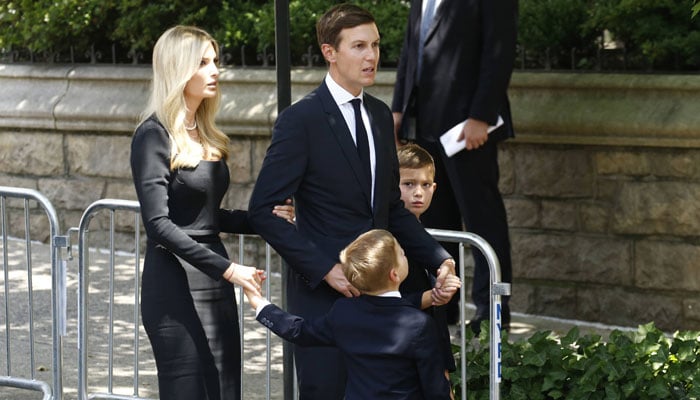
{"type": "Point", "coordinates": [642, 35]}
{"type": "Point", "coordinates": [643, 365]}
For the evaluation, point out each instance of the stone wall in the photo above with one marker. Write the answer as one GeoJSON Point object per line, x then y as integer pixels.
{"type": "Point", "coordinates": [601, 184]}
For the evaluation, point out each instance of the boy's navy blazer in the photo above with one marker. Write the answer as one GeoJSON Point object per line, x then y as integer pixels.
{"type": "Point", "coordinates": [313, 158]}
{"type": "Point", "coordinates": [390, 348]}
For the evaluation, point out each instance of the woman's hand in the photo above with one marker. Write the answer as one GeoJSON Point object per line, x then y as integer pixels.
{"type": "Point", "coordinates": [250, 278]}
{"type": "Point", "coordinates": [285, 211]}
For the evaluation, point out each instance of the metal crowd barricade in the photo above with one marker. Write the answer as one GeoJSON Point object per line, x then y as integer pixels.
{"type": "Point", "coordinates": [84, 293]}
{"type": "Point", "coordinates": [112, 206]}
{"type": "Point", "coordinates": [58, 306]}
{"type": "Point", "coordinates": [497, 289]}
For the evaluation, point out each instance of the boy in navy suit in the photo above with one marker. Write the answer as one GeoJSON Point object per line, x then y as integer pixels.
{"type": "Point", "coordinates": [417, 183]}
{"type": "Point", "coordinates": [390, 348]}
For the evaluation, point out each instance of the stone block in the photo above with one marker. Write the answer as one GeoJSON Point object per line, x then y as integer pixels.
{"type": "Point", "coordinates": [72, 194]}
{"type": "Point", "coordinates": [522, 297]}
{"type": "Point", "coordinates": [571, 258]}
{"type": "Point", "coordinates": [35, 154]}
{"type": "Point", "coordinates": [522, 213]}
{"type": "Point", "coordinates": [103, 156]}
{"type": "Point", "coordinates": [608, 189]}
{"type": "Point", "coordinates": [237, 197]}
{"type": "Point", "coordinates": [259, 149]}
{"type": "Point", "coordinates": [658, 208]}
{"type": "Point", "coordinates": [667, 265]}
{"type": "Point", "coordinates": [554, 300]}
{"type": "Point", "coordinates": [675, 164]}
{"type": "Point", "coordinates": [627, 307]}
{"type": "Point", "coordinates": [554, 173]}
{"type": "Point", "coordinates": [622, 163]}
{"type": "Point", "coordinates": [506, 183]}
{"type": "Point", "coordinates": [120, 190]}
{"type": "Point", "coordinates": [559, 215]}
{"type": "Point", "coordinates": [594, 217]}
{"type": "Point", "coordinates": [239, 163]}
{"type": "Point", "coordinates": [691, 310]}
{"type": "Point", "coordinates": [606, 109]}
{"type": "Point", "coordinates": [30, 94]}
{"type": "Point", "coordinates": [103, 98]}
{"type": "Point", "coordinates": [16, 182]}
{"type": "Point", "coordinates": [39, 224]}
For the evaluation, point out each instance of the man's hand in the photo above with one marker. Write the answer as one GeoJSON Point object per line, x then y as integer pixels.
{"type": "Point", "coordinates": [475, 133]}
{"type": "Point", "coordinates": [336, 279]}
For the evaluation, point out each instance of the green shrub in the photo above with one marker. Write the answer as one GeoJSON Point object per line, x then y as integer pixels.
{"type": "Point", "coordinates": [656, 34]}
{"type": "Point", "coordinates": [552, 28]}
{"type": "Point", "coordinates": [627, 365]}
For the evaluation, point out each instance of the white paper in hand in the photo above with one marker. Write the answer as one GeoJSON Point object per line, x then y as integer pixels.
{"type": "Point", "coordinates": [449, 139]}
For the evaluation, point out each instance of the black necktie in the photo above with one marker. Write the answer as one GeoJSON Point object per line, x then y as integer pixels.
{"type": "Point", "coordinates": [362, 142]}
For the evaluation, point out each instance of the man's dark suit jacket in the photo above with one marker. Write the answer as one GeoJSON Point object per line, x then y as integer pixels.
{"type": "Point", "coordinates": [313, 158]}
{"type": "Point", "coordinates": [468, 58]}
{"type": "Point", "coordinates": [390, 348]}
{"type": "Point", "coordinates": [464, 74]}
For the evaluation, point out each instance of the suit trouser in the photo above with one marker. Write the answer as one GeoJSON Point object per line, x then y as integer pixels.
{"type": "Point", "coordinates": [321, 372]}
{"type": "Point", "coordinates": [467, 185]}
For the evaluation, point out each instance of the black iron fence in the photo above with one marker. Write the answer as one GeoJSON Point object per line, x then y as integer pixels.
{"type": "Point", "coordinates": [574, 59]}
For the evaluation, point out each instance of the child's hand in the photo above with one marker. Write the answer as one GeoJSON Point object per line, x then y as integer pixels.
{"type": "Point", "coordinates": [442, 295]}
{"type": "Point", "coordinates": [254, 298]}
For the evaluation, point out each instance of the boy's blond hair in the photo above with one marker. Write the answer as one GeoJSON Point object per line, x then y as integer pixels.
{"type": "Point", "coordinates": [412, 156]}
{"type": "Point", "coordinates": [368, 260]}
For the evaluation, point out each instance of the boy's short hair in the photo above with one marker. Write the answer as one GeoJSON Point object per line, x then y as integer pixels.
{"type": "Point", "coordinates": [339, 17]}
{"type": "Point", "coordinates": [412, 156]}
{"type": "Point", "coordinates": [368, 259]}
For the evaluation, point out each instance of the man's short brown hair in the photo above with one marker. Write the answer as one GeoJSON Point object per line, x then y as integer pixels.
{"type": "Point", "coordinates": [339, 17]}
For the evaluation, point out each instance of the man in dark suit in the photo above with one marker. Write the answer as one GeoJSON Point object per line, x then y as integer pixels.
{"type": "Point", "coordinates": [391, 349]}
{"type": "Point", "coordinates": [340, 189]}
{"type": "Point", "coordinates": [456, 65]}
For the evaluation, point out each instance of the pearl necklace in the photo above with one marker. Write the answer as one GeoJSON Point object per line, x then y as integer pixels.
{"type": "Point", "coordinates": [193, 127]}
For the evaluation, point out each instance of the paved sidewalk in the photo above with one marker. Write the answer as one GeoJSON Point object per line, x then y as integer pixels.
{"type": "Point", "coordinates": [255, 336]}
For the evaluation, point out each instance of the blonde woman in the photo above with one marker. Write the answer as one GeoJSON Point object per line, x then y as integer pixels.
{"type": "Point", "coordinates": [178, 162]}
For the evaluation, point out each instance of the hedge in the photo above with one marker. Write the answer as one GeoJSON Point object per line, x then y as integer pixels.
{"type": "Point", "coordinates": [558, 34]}
{"type": "Point", "coordinates": [642, 365]}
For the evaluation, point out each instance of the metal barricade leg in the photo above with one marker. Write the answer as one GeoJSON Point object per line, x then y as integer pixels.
{"type": "Point", "coordinates": [58, 310]}
{"type": "Point", "coordinates": [497, 289]}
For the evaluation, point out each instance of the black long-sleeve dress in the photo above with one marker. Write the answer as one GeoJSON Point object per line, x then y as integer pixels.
{"type": "Point", "coordinates": [189, 311]}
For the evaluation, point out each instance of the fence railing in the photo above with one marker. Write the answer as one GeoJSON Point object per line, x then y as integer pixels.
{"type": "Point", "coordinates": [591, 59]}
{"type": "Point", "coordinates": [109, 319]}
{"type": "Point", "coordinates": [24, 324]}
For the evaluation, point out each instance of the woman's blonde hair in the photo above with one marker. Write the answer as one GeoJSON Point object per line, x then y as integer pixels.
{"type": "Point", "coordinates": [368, 260]}
{"type": "Point", "coordinates": [176, 58]}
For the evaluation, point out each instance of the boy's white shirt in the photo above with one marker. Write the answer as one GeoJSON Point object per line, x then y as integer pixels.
{"type": "Point", "coordinates": [264, 302]}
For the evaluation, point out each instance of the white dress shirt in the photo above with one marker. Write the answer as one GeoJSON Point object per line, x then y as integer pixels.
{"type": "Point", "coordinates": [342, 98]}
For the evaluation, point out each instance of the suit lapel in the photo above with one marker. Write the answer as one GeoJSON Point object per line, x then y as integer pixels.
{"type": "Point", "coordinates": [439, 13]}
{"type": "Point", "coordinates": [379, 159]}
{"type": "Point", "coordinates": [342, 134]}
